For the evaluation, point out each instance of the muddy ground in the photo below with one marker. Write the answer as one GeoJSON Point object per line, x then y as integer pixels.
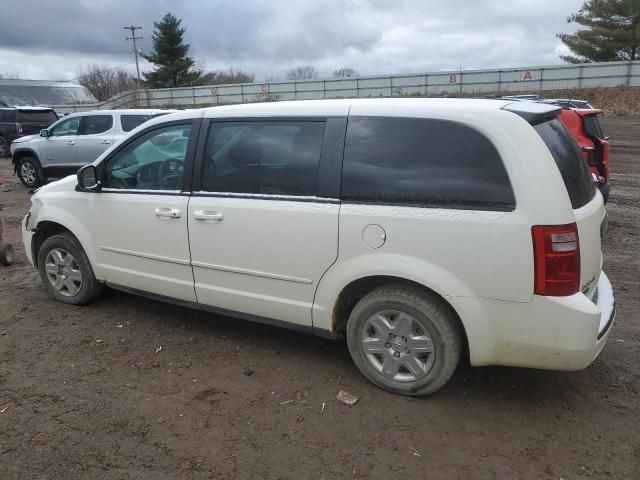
{"type": "Point", "coordinates": [133, 388]}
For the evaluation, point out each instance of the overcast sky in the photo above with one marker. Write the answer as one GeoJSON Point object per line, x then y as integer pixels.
{"type": "Point", "coordinates": [55, 40]}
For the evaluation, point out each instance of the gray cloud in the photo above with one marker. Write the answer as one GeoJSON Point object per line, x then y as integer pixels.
{"type": "Point", "coordinates": [55, 40]}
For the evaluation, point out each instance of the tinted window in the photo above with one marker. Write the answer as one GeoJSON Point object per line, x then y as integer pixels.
{"type": "Point", "coordinates": [45, 117]}
{"type": "Point", "coordinates": [154, 161]}
{"type": "Point", "coordinates": [573, 168]}
{"type": "Point", "coordinates": [422, 162]}
{"type": "Point", "coordinates": [271, 158]}
{"type": "Point", "coordinates": [592, 126]}
{"type": "Point", "coordinates": [66, 127]}
{"type": "Point", "coordinates": [94, 124]}
{"type": "Point", "coordinates": [129, 122]}
{"type": "Point", "coordinates": [8, 116]}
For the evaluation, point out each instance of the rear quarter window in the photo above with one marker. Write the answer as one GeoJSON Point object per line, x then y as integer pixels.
{"type": "Point", "coordinates": [8, 116]}
{"type": "Point", "coordinates": [423, 162]}
{"type": "Point", "coordinates": [572, 165]}
{"type": "Point", "coordinates": [129, 122]}
{"type": "Point", "coordinates": [38, 116]}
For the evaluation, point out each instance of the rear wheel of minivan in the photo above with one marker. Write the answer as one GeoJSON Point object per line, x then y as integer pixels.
{"type": "Point", "coordinates": [404, 340]}
{"type": "Point", "coordinates": [30, 172]}
{"type": "Point", "coordinates": [66, 272]}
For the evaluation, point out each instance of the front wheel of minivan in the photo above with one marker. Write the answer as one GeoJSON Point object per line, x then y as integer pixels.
{"type": "Point", "coordinates": [66, 272]}
{"type": "Point", "coordinates": [404, 340]}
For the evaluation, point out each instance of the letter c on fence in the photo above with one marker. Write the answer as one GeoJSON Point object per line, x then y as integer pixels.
{"type": "Point", "coordinates": [264, 88]}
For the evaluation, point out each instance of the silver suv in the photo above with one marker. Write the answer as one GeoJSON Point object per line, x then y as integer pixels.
{"type": "Point", "coordinates": [73, 141]}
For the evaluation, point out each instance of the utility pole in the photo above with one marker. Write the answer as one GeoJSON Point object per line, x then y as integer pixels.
{"type": "Point", "coordinates": [133, 37]}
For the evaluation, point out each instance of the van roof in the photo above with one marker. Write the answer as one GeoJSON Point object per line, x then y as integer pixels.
{"type": "Point", "coordinates": [341, 107]}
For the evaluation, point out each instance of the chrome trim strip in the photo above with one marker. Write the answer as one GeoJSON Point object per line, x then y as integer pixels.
{"type": "Point", "coordinates": [260, 196]}
{"type": "Point", "coordinates": [127, 190]}
{"type": "Point", "coordinates": [254, 273]}
{"type": "Point", "coordinates": [145, 255]}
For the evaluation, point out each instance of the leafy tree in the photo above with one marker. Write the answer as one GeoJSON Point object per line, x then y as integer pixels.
{"type": "Point", "coordinates": [303, 72]}
{"type": "Point", "coordinates": [345, 72]}
{"type": "Point", "coordinates": [174, 68]}
{"type": "Point", "coordinates": [612, 32]}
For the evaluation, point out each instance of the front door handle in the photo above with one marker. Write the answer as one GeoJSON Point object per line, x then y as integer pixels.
{"type": "Point", "coordinates": [168, 212]}
{"type": "Point", "coordinates": [105, 142]}
{"type": "Point", "coordinates": [207, 215]}
{"type": "Point", "coordinates": [70, 142]}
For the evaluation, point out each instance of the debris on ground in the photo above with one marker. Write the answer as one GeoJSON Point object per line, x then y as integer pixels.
{"type": "Point", "coordinates": [347, 398]}
{"type": "Point", "coordinates": [248, 371]}
{"type": "Point", "coordinates": [158, 349]}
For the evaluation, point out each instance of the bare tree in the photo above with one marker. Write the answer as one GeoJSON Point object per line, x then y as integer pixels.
{"type": "Point", "coordinates": [302, 72]}
{"type": "Point", "coordinates": [221, 77]}
{"type": "Point", "coordinates": [104, 82]}
{"type": "Point", "coordinates": [345, 72]}
{"type": "Point", "coordinates": [9, 76]}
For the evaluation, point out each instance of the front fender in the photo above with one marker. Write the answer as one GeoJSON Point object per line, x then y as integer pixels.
{"type": "Point", "coordinates": [62, 217]}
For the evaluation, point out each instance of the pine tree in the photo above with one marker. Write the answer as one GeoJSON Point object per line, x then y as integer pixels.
{"type": "Point", "coordinates": [174, 68]}
{"type": "Point", "coordinates": [612, 32]}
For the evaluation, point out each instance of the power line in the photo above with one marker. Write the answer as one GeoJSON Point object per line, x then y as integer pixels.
{"type": "Point", "coordinates": [133, 38]}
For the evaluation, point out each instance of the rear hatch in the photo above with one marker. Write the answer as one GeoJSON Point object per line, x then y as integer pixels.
{"type": "Point", "coordinates": [587, 205]}
{"type": "Point", "coordinates": [33, 120]}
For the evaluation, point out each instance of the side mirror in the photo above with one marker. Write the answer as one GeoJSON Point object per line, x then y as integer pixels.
{"type": "Point", "coordinates": [44, 133]}
{"type": "Point", "coordinates": [88, 179]}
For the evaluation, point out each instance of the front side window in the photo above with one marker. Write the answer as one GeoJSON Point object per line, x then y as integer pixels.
{"type": "Point", "coordinates": [66, 128]}
{"type": "Point", "coordinates": [94, 124]}
{"type": "Point", "coordinates": [422, 162]}
{"type": "Point", "coordinates": [153, 161]}
{"type": "Point", "coordinates": [268, 158]}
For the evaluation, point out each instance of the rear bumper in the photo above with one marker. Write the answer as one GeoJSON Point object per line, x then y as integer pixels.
{"type": "Point", "coordinates": [557, 333]}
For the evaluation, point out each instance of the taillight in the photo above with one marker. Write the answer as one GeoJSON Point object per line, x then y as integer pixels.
{"type": "Point", "coordinates": [556, 254]}
{"type": "Point", "coordinates": [18, 128]}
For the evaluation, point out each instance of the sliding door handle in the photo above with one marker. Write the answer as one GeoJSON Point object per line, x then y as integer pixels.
{"type": "Point", "coordinates": [207, 215]}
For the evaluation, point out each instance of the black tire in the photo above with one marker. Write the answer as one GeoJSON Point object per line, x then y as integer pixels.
{"type": "Point", "coordinates": [433, 325]}
{"type": "Point", "coordinates": [30, 172]}
{"type": "Point", "coordinates": [89, 288]}
{"type": "Point", "coordinates": [5, 151]}
{"type": "Point", "coordinates": [6, 254]}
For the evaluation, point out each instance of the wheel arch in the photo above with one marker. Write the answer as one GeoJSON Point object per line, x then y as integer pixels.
{"type": "Point", "coordinates": [47, 228]}
{"type": "Point", "coordinates": [24, 152]}
{"type": "Point", "coordinates": [351, 294]}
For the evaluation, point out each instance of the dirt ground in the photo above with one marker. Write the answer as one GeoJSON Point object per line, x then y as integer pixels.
{"type": "Point", "coordinates": [133, 388]}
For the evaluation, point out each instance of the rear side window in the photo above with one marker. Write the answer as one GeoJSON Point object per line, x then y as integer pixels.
{"type": "Point", "coordinates": [423, 162]}
{"type": "Point", "coordinates": [129, 122]}
{"type": "Point", "coordinates": [8, 116]}
{"type": "Point", "coordinates": [267, 158]}
{"type": "Point", "coordinates": [573, 168]}
{"type": "Point", "coordinates": [37, 116]}
{"type": "Point", "coordinates": [94, 124]}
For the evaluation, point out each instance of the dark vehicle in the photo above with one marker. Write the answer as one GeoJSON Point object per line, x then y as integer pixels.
{"type": "Point", "coordinates": [16, 122]}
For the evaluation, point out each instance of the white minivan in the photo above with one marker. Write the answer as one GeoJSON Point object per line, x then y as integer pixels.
{"type": "Point", "coordinates": [419, 229]}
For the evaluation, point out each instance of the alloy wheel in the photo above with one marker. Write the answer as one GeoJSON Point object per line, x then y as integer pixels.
{"type": "Point", "coordinates": [398, 346]}
{"type": "Point", "coordinates": [63, 272]}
